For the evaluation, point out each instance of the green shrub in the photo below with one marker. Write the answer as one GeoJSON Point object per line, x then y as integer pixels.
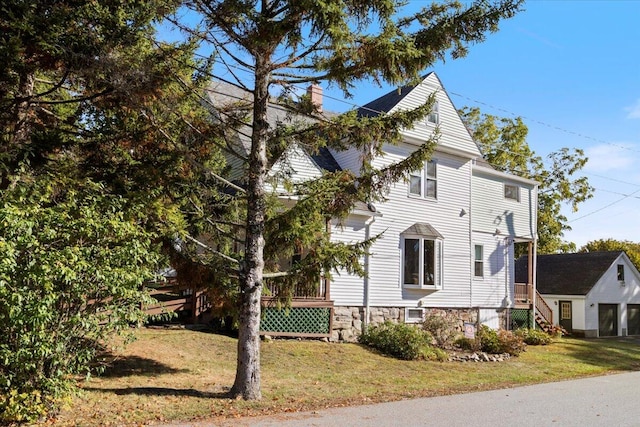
{"type": "Point", "coordinates": [497, 342]}
{"type": "Point", "coordinates": [442, 329]}
{"type": "Point", "coordinates": [510, 343]}
{"type": "Point", "coordinates": [533, 336]}
{"type": "Point", "coordinates": [467, 344]}
{"type": "Point", "coordinates": [488, 338]}
{"type": "Point", "coordinates": [401, 340]}
{"type": "Point", "coordinates": [71, 269]}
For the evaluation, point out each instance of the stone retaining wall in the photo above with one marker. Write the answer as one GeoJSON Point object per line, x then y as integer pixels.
{"type": "Point", "coordinates": [348, 321]}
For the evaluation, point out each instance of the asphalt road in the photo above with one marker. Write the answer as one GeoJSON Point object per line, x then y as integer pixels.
{"type": "Point", "coordinates": [611, 401]}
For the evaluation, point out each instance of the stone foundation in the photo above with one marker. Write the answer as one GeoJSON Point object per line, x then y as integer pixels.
{"type": "Point", "coordinates": [348, 321]}
{"type": "Point", "coordinates": [459, 316]}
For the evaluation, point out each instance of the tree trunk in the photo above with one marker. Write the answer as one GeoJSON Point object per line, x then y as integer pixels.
{"type": "Point", "coordinates": [20, 114]}
{"type": "Point", "coordinates": [247, 382]}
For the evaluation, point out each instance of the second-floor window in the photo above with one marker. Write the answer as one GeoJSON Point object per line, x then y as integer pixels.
{"type": "Point", "coordinates": [512, 192]}
{"type": "Point", "coordinates": [424, 183]}
{"type": "Point", "coordinates": [621, 272]}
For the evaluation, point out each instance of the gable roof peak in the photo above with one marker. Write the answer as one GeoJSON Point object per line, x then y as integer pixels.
{"type": "Point", "coordinates": [386, 102]}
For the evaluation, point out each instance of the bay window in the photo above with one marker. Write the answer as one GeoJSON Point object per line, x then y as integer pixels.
{"type": "Point", "coordinates": [421, 257]}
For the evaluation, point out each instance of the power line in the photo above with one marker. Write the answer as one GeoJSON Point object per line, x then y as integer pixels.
{"type": "Point", "coordinates": [557, 128]}
{"type": "Point", "coordinates": [605, 206]}
{"type": "Point", "coordinates": [554, 127]}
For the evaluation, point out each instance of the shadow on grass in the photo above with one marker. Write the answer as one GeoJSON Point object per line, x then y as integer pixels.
{"type": "Point", "coordinates": [134, 365]}
{"type": "Point", "coordinates": [612, 353]}
{"type": "Point", "coordinates": [160, 391]}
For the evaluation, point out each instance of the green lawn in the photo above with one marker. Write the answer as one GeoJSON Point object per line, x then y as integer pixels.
{"type": "Point", "coordinates": [169, 375]}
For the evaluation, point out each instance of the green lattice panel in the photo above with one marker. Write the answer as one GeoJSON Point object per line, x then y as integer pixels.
{"type": "Point", "coordinates": [520, 318]}
{"type": "Point", "coordinates": [296, 320]}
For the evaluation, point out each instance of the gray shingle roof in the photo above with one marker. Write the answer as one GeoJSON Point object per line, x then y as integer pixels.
{"type": "Point", "coordinates": [567, 274]}
{"type": "Point", "coordinates": [325, 160]}
{"type": "Point", "coordinates": [225, 94]}
{"type": "Point", "coordinates": [423, 229]}
{"type": "Point", "coordinates": [385, 103]}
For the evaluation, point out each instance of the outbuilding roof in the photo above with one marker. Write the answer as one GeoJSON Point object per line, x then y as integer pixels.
{"type": "Point", "coordinates": [567, 274]}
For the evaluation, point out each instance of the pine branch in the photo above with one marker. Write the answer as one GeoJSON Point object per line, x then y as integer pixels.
{"type": "Point", "coordinates": [213, 251]}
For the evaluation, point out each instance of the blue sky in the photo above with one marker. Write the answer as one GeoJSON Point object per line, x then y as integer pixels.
{"type": "Point", "coordinates": [571, 69]}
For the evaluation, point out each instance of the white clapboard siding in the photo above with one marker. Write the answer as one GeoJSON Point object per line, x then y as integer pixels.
{"type": "Point", "coordinates": [348, 289]}
{"type": "Point", "coordinates": [463, 193]}
{"type": "Point", "coordinates": [453, 133]}
{"type": "Point", "coordinates": [298, 167]}
{"type": "Point", "coordinates": [402, 211]}
{"type": "Point", "coordinates": [454, 136]}
{"type": "Point", "coordinates": [492, 212]}
{"type": "Point", "coordinates": [609, 290]}
{"type": "Point", "coordinates": [348, 159]}
{"type": "Point", "coordinates": [498, 270]}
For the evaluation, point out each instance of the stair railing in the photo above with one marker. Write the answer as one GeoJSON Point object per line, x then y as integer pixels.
{"type": "Point", "coordinates": [543, 309]}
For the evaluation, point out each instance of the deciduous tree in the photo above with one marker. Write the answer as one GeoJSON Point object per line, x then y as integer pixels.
{"type": "Point", "coordinates": [632, 249]}
{"type": "Point", "coordinates": [503, 142]}
{"type": "Point", "coordinates": [96, 145]}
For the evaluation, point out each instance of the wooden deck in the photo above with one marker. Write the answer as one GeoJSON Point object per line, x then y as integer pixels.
{"type": "Point", "coordinates": [303, 296]}
{"type": "Point", "coordinates": [189, 304]}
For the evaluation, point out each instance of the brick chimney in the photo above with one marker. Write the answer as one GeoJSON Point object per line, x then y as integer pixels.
{"type": "Point", "coordinates": [315, 93]}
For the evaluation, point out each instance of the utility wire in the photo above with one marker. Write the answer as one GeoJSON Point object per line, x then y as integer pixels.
{"type": "Point", "coordinates": [510, 113]}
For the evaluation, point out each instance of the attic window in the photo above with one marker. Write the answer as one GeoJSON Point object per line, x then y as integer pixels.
{"type": "Point", "coordinates": [620, 272]}
{"type": "Point", "coordinates": [434, 115]}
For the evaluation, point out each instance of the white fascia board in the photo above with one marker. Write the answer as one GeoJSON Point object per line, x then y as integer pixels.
{"type": "Point", "coordinates": [504, 175]}
{"type": "Point", "coordinates": [456, 152]}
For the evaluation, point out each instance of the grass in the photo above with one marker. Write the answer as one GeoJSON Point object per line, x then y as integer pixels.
{"type": "Point", "coordinates": [169, 375]}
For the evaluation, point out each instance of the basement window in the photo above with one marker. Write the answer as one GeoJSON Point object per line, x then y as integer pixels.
{"type": "Point", "coordinates": [413, 315]}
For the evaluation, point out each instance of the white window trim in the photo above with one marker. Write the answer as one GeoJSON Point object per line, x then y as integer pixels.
{"type": "Point", "coordinates": [408, 319]}
{"type": "Point", "coordinates": [433, 118]}
{"type": "Point", "coordinates": [424, 178]}
{"type": "Point", "coordinates": [438, 261]}
{"type": "Point", "coordinates": [504, 192]}
{"type": "Point", "coordinates": [419, 174]}
{"type": "Point", "coordinates": [621, 280]}
{"type": "Point", "coordinates": [475, 260]}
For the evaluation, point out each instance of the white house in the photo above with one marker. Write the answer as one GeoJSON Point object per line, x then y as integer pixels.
{"type": "Point", "coordinates": [592, 294]}
{"type": "Point", "coordinates": [448, 232]}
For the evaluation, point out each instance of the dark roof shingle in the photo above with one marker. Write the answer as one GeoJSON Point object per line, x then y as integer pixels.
{"type": "Point", "coordinates": [385, 103]}
{"type": "Point", "coordinates": [567, 274]}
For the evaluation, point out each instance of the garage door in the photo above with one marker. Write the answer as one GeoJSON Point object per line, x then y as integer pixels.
{"type": "Point", "coordinates": [607, 320]}
{"type": "Point", "coordinates": [633, 319]}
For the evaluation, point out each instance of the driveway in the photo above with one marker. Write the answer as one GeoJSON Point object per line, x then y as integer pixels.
{"type": "Point", "coordinates": [610, 400]}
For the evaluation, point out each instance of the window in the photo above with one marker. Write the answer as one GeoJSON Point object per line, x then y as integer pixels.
{"type": "Point", "coordinates": [421, 247]}
{"type": "Point", "coordinates": [431, 187]}
{"type": "Point", "coordinates": [621, 272]}
{"type": "Point", "coordinates": [512, 192]}
{"type": "Point", "coordinates": [413, 315]}
{"type": "Point", "coordinates": [478, 263]}
{"type": "Point", "coordinates": [415, 183]}
{"type": "Point", "coordinates": [424, 183]}
{"type": "Point", "coordinates": [434, 115]}
{"type": "Point", "coordinates": [419, 262]}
